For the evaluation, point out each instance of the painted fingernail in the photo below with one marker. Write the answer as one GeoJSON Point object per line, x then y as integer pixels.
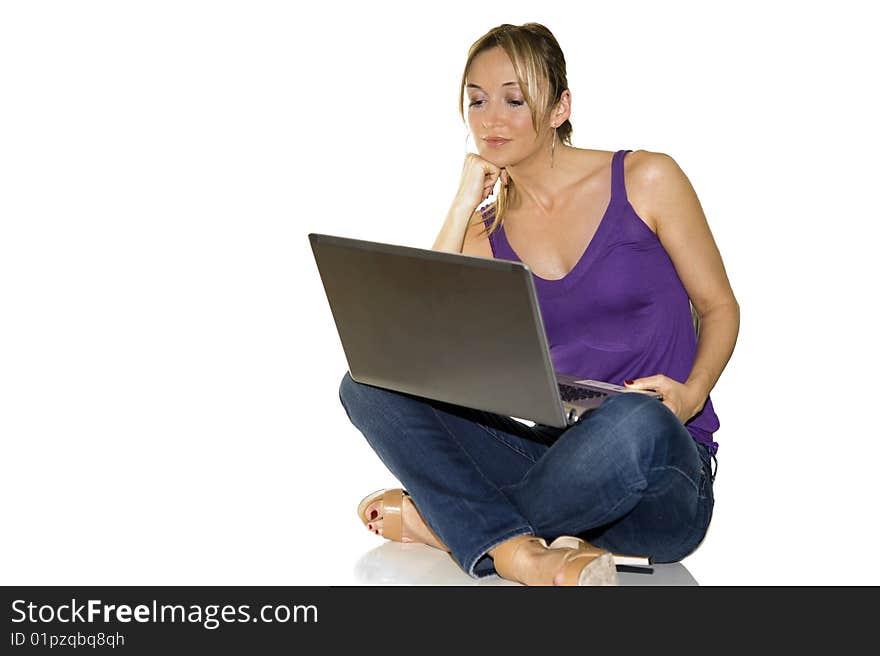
{"type": "Point", "coordinates": [628, 382]}
{"type": "Point", "coordinates": [370, 526]}
{"type": "Point", "coordinates": [374, 514]}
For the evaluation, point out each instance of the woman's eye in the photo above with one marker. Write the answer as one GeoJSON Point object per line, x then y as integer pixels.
{"type": "Point", "coordinates": [514, 103]}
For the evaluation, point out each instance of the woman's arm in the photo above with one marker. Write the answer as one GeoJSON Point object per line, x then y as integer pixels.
{"type": "Point", "coordinates": [666, 198]}
{"type": "Point", "coordinates": [718, 331]}
{"type": "Point", "coordinates": [452, 234]}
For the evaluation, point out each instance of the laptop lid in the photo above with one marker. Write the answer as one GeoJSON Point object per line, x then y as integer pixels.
{"type": "Point", "coordinates": [457, 328]}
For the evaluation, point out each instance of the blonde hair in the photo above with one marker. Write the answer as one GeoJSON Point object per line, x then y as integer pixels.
{"type": "Point", "coordinates": [539, 66]}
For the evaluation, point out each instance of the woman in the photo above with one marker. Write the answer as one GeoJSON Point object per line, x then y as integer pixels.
{"type": "Point", "coordinates": [619, 249]}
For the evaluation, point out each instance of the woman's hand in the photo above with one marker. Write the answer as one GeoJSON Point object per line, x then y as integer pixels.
{"type": "Point", "coordinates": [684, 401]}
{"type": "Point", "coordinates": [478, 178]}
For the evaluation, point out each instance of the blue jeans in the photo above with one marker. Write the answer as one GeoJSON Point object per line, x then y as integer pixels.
{"type": "Point", "coordinates": [628, 477]}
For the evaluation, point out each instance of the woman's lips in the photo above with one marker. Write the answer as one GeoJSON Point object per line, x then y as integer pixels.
{"type": "Point", "coordinates": [496, 142]}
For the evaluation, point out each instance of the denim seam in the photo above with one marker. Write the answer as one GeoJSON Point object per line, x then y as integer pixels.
{"type": "Point", "coordinates": [696, 486]}
{"type": "Point", "coordinates": [486, 548]}
{"type": "Point", "coordinates": [512, 447]}
{"type": "Point", "coordinates": [464, 451]}
{"type": "Point", "coordinates": [604, 518]}
{"type": "Point", "coordinates": [634, 490]}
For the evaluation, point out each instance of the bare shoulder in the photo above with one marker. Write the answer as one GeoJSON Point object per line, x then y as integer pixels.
{"type": "Point", "coordinates": [647, 166]}
{"type": "Point", "coordinates": [475, 240]}
{"type": "Point", "coordinates": [647, 174]}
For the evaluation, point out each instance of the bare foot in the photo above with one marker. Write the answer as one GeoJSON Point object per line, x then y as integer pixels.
{"type": "Point", "coordinates": [414, 528]}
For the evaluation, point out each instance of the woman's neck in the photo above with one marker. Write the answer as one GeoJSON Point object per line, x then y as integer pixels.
{"type": "Point", "coordinates": [538, 188]}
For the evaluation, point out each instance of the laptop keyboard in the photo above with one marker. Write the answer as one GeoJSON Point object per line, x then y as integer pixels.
{"type": "Point", "coordinates": [572, 393]}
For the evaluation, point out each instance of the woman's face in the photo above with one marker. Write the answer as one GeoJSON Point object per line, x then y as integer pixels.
{"type": "Point", "coordinates": [496, 108]}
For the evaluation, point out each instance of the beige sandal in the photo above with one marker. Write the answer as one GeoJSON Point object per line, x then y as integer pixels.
{"type": "Point", "coordinates": [392, 517]}
{"type": "Point", "coordinates": [392, 505]}
{"type": "Point", "coordinates": [581, 566]}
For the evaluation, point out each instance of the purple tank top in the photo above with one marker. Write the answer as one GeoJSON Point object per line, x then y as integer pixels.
{"type": "Point", "coordinates": [622, 311]}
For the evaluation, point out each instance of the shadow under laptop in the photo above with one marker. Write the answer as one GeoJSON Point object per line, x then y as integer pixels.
{"type": "Point", "coordinates": [396, 563]}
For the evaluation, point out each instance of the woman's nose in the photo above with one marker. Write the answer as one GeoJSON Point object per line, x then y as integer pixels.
{"type": "Point", "coordinates": [490, 119]}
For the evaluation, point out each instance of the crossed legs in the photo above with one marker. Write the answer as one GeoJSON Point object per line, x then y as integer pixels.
{"type": "Point", "coordinates": [628, 475]}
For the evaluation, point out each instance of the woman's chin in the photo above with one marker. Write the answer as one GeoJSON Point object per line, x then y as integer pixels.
{"type": "Point", "coordinates": [493, 158]}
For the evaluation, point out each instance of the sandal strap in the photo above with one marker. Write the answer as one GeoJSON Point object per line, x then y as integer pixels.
{"type": "Point", "coordinates": [392, 519]}
{"type": "Point", "coordinates": [568, 542]}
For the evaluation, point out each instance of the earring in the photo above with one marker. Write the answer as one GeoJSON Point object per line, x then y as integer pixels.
{"type": "Point", "coordinates": [465, 140]}
{"type": "Point", "coordinates": [553, 147]}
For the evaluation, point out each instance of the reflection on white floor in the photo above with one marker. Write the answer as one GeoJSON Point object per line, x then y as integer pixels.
{"type": "Point", "coordinates": [395, 563]}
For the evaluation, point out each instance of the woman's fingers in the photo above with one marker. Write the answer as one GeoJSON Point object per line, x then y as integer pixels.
{"type": "Point", "coordinates": [479, 177]}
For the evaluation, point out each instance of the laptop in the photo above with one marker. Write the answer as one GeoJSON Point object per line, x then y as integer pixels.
{"type": "Point", "coordinates": [457, 328]}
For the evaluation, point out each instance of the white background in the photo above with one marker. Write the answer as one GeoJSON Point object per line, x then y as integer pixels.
{"type": "Point", "coordinates": [168, 361]}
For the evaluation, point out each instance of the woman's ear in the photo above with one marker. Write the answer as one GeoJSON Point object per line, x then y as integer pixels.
{"type": "Point", "coordinates": [562, 111]}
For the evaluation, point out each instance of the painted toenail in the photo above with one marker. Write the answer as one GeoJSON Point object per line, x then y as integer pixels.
{"type": "Point", "coordinates": [374, 514]}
